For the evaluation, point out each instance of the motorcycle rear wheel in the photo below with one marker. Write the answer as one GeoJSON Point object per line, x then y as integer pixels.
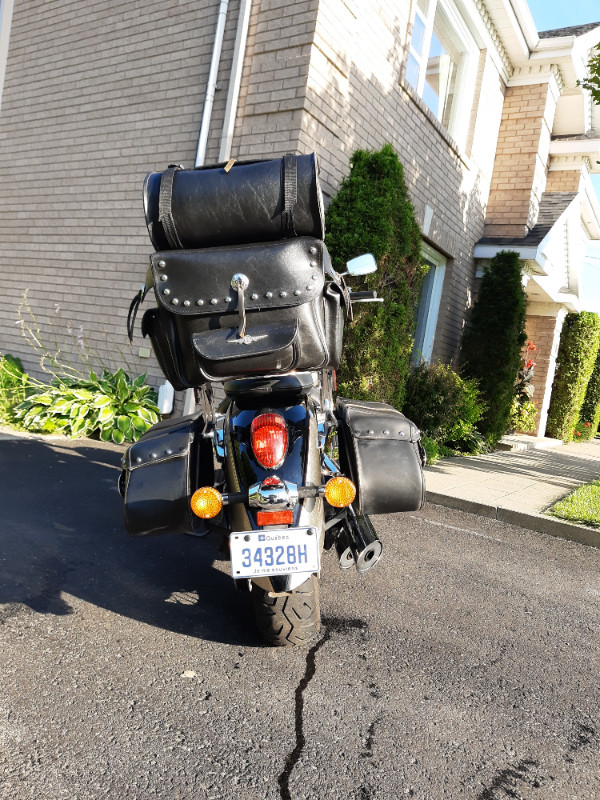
{"type": "Point", "coordinates": [292, 619]}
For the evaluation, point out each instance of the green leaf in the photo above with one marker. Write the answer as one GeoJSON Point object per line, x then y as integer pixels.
{"type": "Point", "coordinates": [140, 424]}
{"type": "Point", "coordinates": [100, 401]}
{"type": "Point", "coordinates": [77, 427]}
{"type": "Point", "coordinates": [74, 412]}
{"type": "Point", "coordinates": [105, 415]}
{"type": "Point", "coordinates": [146, 415]}
{"type": "Point", "coordinates": [43, 399]}
{"type": "Point", "coordinates": [123, 423]}
{"type": "Point", "coordinates": [61, 406]}
{"type": "Point", "coordinates": [117, 436]}
{"type": "Point", "coordinates": [106, 434]}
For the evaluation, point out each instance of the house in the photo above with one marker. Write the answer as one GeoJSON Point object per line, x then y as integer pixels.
{"type": "Point", "coordinates": [497, 140]}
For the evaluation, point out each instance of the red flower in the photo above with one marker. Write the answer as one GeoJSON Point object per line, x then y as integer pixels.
{"type": "Point", "coordinates": [588, 424]}
{"type": "Point", "coordinates": [577, 432]}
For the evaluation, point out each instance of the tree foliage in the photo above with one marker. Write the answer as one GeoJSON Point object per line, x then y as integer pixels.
{"type": "Point", "coordinates": [590, 410]}
{"type": "Point", "coordinates": [493, 340]}
{"type": "Point", "coordinates": [592, 81]}
{"type": "Point", "coordinates": [372, 213]}
{"type": "Point", "coordinates": [579, 343]}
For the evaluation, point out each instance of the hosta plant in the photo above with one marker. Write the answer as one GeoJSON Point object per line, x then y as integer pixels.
{"type": "Point", "coordinates": [114, 407]}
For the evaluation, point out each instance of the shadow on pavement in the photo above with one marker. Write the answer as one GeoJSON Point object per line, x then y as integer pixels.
{"type": "Point", "coordinates": [61, 530]}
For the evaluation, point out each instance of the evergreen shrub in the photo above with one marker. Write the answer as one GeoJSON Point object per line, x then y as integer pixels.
{"type": "Point", "coordinates": [590, 410]}
{"type": "Point", "coordinates": [445, 407]}
{"type": "Point", "coordinates": [579, 344]}
{"type": "Point", "coordinates": [372, 213]}
{"type": "Point", "coordinates": [493, 340]}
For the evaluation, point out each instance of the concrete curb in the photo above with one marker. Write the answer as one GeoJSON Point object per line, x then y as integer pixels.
{"type": "Point", "coordinates": [542, 523]}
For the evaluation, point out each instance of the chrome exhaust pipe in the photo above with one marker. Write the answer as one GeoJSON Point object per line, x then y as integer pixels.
{"type": "Point", "coordinates": [364, 542]}
{"type": "Point", "coordinates": [344, 549]}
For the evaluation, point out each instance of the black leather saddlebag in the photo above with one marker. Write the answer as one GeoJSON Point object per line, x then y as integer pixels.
{"type": "Point", "coordinates": [250, 202]}
{"type": "Point", "coordinates": [161, 472]}
{"type": "Point", "coordinates": [381, 451]}
{"type": "Point", "coordinates": [288, 317]}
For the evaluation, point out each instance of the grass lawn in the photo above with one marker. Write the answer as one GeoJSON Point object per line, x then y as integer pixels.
{"type": "Point", "coordinates": [582, 505]}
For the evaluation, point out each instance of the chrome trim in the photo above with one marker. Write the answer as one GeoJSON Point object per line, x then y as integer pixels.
{"type": "Point", "coordinates": [274, 496]}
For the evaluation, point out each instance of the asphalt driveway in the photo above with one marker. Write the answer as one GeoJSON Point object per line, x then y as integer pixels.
{"type": "Point", "coordinates": [465, 665]}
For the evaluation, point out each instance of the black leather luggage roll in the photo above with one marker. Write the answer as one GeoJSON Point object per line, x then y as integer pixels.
{"type": "Point", "coordinates": [381, 451]}
{"type": "Point", "coordinates": [288, 316]}
{"type": "Point", "coordinates": [253, 201]}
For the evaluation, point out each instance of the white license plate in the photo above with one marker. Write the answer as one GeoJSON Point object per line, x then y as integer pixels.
{"type": "Point", "coordinates": [274, 552]}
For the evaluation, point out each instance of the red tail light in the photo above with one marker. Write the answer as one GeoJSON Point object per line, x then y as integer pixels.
{"type": "Point", "coordinates": [269, 437]}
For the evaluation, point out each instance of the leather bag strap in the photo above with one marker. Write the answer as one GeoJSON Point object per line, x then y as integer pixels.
{"type": "Point", "coordinates": [165, 210]}
{"type": "Point", "coordinates": [290, 194]}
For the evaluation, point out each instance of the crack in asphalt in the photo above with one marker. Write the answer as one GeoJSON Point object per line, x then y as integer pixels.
{"type": "Point", "coordinates": [505, 782]}
{"type": "Point", "coordinates": [332, 624]}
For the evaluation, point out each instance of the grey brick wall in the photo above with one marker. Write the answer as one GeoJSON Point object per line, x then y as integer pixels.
{"type": "Point", "coordinates": [96, 94]}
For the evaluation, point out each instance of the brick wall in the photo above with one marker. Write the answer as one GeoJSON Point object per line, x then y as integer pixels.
{"type": "Point", "coordinates": [544, 332]}
{"type": "Point", "coordinates": [563, 180]}
{"type": "Point", "coordinates": [521, 157]}
{"type": "Point", "coordinates": [96, 94]}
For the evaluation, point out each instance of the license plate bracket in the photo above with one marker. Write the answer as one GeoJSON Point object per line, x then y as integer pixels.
{"type": "Point", "coordinates": [256, 554]}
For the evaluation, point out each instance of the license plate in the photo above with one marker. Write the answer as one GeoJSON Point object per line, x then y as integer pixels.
{"type": "Point", "coordinates": [274, 552]}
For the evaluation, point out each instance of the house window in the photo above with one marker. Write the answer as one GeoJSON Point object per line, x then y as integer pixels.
{"type": "Point", "coordinates": [440, 64]}
{"type": "Point", "coordinates": [429, 305]}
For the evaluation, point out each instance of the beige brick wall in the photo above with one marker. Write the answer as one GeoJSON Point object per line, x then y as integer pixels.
{"type": "Point", "coordinates": [564, 180]}
{"type": "Point", "coordinates": [521, 158]}
{"type": "Point", "coordinates": [544, 332]}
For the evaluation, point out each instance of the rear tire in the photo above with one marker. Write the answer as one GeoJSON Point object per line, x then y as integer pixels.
{"type": "Point", "coordinates": [292, 619]}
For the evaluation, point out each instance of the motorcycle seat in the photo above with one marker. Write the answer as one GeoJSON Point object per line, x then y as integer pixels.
{"type": "Point", "coordinates": [294, 384]}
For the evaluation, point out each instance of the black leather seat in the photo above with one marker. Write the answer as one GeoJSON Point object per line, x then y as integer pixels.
{"type": "Point", "coordinates": [293, 385]}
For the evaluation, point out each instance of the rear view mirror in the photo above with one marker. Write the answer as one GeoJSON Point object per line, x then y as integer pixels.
{"type": "Point", "coordinates": [361, 265]}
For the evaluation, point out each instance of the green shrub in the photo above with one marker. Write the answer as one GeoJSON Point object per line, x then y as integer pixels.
{"type": "Point", "coordinates": [522, 416]}
{"type": "Point", "coordinates": [372, 213]}
{"type": "Point", "coordinates": [445, 407]}
{"type": "Point", "coordinates": [114, 407]}
{"type": "Point", "coordinates": [13, 387]}
{"type": "Point", "coordinates": [590, 410]}
{"type": "Point", "coordinates": [579, 343]}
{"type": "Point", "coordinates": [492, 343]}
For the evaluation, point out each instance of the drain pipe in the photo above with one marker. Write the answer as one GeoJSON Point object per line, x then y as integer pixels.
{"type": "Point", "coordinates": [235, 79]}
{"type": "Point", "coordinates": [189, 402]}
{"type": "Point", "coordinates": [211, 85]}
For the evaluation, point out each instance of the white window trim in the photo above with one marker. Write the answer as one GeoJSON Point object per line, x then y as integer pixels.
{"type": "Point", "coordinates": [437, 263]}
{"type": "Point", "coordinates": [6, 12]}
{"type": "Point", "coordinates": [467, 74]}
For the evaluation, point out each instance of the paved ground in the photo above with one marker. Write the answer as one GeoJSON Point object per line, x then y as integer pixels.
{"type": "Point", "coordinates": [519, 486]}
{"type": "Point", "coordinates": [465, 665]}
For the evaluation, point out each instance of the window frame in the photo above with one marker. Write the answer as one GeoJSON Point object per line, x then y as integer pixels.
{"type": "Point", "coordinates": [458, 122]}
{"type": "Point", "coordinates": [429, 304]}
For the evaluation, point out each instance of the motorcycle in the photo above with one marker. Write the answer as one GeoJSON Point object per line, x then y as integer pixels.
{"type": "Point", "coordinates": [280, 468]}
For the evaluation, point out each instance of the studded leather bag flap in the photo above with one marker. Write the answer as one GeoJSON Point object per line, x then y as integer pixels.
{"type": "Point", "coordinates": [380, 450]}
{"type": "Point", "coordinates": [161, 471]}
{"type": "Point", "coordinates": [199, 282]}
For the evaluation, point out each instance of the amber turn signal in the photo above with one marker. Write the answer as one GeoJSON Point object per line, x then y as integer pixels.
{"type": "Point", "coordinates": [340, 492]}
{"type": "Point", "coordinates": [206, 502]}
